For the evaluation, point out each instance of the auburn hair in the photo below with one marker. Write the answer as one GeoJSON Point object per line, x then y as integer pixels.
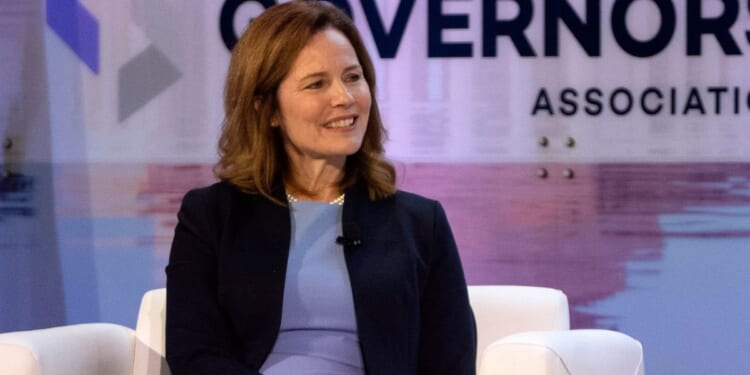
{"type": "Point", "coordinates": [251, 151]}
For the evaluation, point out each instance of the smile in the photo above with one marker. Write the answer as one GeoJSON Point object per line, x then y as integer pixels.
{"type": "Point", "coordinates": [343, 123]}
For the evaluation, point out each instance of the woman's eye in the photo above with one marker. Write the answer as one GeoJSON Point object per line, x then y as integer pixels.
{"type": "Point", "coordinates": [354, 77]}
{"type": "Point", "coordinates": [315, 85]}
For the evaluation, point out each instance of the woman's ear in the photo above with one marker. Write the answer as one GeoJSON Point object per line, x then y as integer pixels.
{"type": "Point", "coordinates": [275, 119]}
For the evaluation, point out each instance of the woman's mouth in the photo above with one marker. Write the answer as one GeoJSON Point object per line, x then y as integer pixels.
{"type": "Point", "coordinates": [343, 123]}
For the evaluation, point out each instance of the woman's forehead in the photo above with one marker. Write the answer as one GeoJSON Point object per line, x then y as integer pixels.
{"type": "Point", "coordinates": [326, 50]}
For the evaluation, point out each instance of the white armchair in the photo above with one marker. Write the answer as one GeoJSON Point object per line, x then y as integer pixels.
{"type": "Point", "coordinates": [521, 330]}
{"type": "Point", "coordinates": [92, 348]}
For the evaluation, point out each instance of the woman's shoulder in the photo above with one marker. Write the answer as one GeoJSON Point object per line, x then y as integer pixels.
{"type": "Point", "coordinates": [211, 195]}
{"type": "Point", "coordinates": [407, 198]}
{"type": "Point", "coordinates": [416, 204]}
{"type": "Point", "coordinates": [221, 197]}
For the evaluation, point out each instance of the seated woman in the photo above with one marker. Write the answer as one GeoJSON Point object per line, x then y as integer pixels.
{"type": "Point", "coordinates": [304, 258]}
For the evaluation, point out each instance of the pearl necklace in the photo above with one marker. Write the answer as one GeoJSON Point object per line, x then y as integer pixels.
{"type": "Point", "coordinates": [338, 201]}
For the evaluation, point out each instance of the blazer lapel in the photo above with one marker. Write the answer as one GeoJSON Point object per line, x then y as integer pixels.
{"type": "Point", "coordinates": [253, 270]}
{"type": "Point", "coordinates": [378, 272]}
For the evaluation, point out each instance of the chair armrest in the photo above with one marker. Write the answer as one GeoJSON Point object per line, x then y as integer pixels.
{"type": "Point", "coordinates": [575, 352]}
{"type": "Point", "coordinates": [83, 349]}
{"type": "Point", "coordinates": [503, 310]}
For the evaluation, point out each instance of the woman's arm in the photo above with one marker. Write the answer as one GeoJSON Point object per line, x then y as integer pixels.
{"type": "Point", "coordinates": [447, 331]}
{"type": "Point", "coordinates": [198, 339]}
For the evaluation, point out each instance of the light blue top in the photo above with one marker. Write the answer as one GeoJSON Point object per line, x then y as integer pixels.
{"type": "Point", "coordinates": [318, 328]}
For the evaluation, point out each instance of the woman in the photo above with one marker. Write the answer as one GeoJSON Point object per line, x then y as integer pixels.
{"type": "Point", "coordinates": [305, 259]}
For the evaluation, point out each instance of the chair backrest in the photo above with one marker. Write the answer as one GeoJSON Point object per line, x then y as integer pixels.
{"type": "Point", "coordinates": [502, 310]}
{"type": "Point", "coordinates": [150, 334]}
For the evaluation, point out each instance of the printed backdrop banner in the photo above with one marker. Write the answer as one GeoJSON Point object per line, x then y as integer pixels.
{"type": "Point", "coordinates": [459, 81]}
{"type": "Point", "coordinates": [595, 146]}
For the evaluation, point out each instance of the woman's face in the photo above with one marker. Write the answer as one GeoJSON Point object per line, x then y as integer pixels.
{"type": "Point", "coordinates": [324, 101]}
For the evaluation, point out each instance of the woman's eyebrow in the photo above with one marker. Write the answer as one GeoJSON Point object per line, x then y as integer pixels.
{"type": "Point", "coordinates": [324, 74]}
{"type": "Point", "coordinates": [314, 75]}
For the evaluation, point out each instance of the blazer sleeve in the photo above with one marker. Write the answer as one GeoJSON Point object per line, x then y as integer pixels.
{"type": "Point", "coordinates": [448, 331]}
{"type": "Point", "coordinates": [198, 339]}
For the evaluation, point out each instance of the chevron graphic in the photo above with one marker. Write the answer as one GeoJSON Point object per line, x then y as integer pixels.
{"type": "Point", "coordinates": [75, 25]}
{"type": "Point", "coordinates": [143, 78]}
{"type": "Point", "coordinates": [152, 71]}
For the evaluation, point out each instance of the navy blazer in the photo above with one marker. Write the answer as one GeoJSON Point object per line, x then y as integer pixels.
{"type": "Point", "coordinates": [227, 267]}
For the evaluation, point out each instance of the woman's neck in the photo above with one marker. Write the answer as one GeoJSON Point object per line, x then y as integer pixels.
{"type": "Point", "coordinates": [316, 180]}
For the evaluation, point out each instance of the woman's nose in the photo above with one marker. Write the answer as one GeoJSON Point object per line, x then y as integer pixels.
{"type": "Point", "coordinates": [341, 95]}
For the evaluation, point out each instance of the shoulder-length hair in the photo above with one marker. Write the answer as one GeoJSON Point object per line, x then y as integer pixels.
{"type": "Point", "coordinates": [251, 151]}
